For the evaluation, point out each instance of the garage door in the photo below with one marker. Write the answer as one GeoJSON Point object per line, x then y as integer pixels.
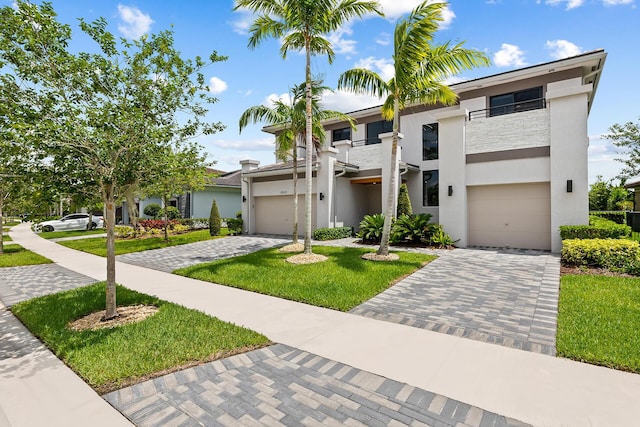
{"type": "Point", "coordinates": [274, 214]}
{"type": "Point", "coordinates": [515, 216]}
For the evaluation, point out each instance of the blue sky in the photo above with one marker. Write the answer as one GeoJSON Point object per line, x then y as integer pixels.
{"type": "Point", "coordinates": [513, 33]}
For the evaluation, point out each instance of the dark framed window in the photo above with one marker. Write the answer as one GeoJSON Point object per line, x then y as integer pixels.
{"type": "Point", "coordinates": [515, 102]}
{"type": "Point", "coordinates": [341, 134]}
{"type": "Point", "coordinates": [430, 141]}
{"type": "Point", "coordinates": [376, 128]}
{"type": "Point", "coordinates": [430, 188]}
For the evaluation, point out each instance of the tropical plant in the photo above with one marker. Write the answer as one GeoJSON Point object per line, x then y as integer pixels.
{"type": "Point", "coordinates": [303, 25]}
{"type": "Point", "coordinates": [215, 222]}
{"type": "Point", "coordinates": [411, 227]}
{"type": "Point", "coordinates": [404, 202]}
{"type": "Point", "coordinates": [371, 228]}
{"type": "Point", "coordinates": [420, 68]}
{"type": "Point", "coordinates": [290, 119]}
{"type": "Point", "coordinates": [441, 239]}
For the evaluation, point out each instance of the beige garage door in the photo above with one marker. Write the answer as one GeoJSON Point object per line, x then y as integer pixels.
{"type": "Point", "coordinates": [274, 214]}
{"type": "Point", "coordinates": [515, 216]}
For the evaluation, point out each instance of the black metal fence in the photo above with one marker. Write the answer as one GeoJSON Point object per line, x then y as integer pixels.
{"type": "Point", "coordinates": [633, 221]}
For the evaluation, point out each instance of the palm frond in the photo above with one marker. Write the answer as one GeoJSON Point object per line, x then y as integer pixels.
{"type": "Point", "coordinates": [363, 81]}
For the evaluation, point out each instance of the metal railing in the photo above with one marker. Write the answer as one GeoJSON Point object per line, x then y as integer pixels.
{"type": "Point", "coordinates": [516, 107]}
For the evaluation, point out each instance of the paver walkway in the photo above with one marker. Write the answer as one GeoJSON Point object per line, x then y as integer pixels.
{"type": "Point", "coordinates": [174, 257]}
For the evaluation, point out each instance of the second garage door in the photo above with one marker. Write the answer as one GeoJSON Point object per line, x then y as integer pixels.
{"type": "Point", "coordinates": [515, 216]}
{"type": "Point", "coordinates": [274, 214]}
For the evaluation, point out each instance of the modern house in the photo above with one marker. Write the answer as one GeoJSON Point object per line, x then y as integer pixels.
{"type": "Point", "coordinates": [505, 167]}
{"type": "Point", "coordinates": [224, 187]}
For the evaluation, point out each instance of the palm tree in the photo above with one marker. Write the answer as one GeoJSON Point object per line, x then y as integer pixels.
{"type": "Point", "coordinates": [302, 26]}
{"type": "Point", "coordinates": [290, 119]}
{"type": "Point", "coordinates": [420, 68]}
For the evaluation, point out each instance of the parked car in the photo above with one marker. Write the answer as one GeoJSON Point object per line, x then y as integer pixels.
{"type": "Point", "coordinates": [76, 221]}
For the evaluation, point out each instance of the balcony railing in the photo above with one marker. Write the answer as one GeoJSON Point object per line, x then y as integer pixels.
{"type": "Point", "coordinates": [516, 107]}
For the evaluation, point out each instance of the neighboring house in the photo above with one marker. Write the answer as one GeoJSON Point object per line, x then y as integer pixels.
{"type": "Point", "coordinates": [634, 184]}
{"type": "Point", "coordinates": [225, 188]}
{"type": "Point", "coordinates": [504, 168]}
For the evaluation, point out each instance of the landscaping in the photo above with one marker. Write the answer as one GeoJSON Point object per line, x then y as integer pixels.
{"type": "Point", "coordinates": [98, 246]}
{"type": "Point", "coordinates": [16, 256]}
{"type": "Point", "coordinates": [108, 359]}
{"type": "Point", "coordinates": [599, 320]}
{"type": "Point", "coordinates": [341, 283]}
{"type": "Point", "coordinates": [73, 233]}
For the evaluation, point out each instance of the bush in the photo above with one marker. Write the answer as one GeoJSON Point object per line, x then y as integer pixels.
{"type": "Point", "coordinates": [404, 203]}
{"type": "Point", "coordinates": [152, 210]}
{"type": "Point", "coordinates": [371, 228]}
{"type": "Point", "coordinates": [157, 224]}
{"type": "Point", "coordinates": [171, 211]}
{"type": "Point", "coordinates": [235, 224]}
{"type": "Point", "coordinates": [411, 227]}
{"type": "Point", "coordinates": [195, 223]}
{"type": "Point", "coordinates": [614, 254]}
{"type": "Point", "coordinates": [598, 228]}
{"type": "Point", "coordinates": [215, 222]}
{"type": "Point", "coordinates": [615, 216]}
{"type": "Point", "coordinates": [441, 239]}
{"type": "Point", "coordinates": [332, 233]}
{"type": "Point", "coordinates": [124, 231]}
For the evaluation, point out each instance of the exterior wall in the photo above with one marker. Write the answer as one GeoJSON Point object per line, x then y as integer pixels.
{"type": "Point", "coordinates": [366, 156]}
{"type": "Point", "coordinates": [509, 172]}
{"type": "Point", "coordinates": [508, 132]}
{"type": "Point", "coordinates": [229, 201]}
{"type": "Point", "coordinates": [146, 202]}
{"type": "Point", "coordinates": [351, 202]}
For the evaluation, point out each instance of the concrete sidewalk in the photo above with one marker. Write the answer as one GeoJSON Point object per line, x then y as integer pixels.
{"type": "Point", "coordinates": [530, 387]}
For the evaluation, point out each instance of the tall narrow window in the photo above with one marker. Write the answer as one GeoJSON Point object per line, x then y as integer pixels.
{"type": "Point", "coordinates": [341, 134]}
{"type": "Point", "coordinates": [430, 188]}
{"type": "Point", "coordinates": [376, 128]}
{"type": "Point", "coordinates": [430, 141]}
{"type": "Point", "coordinates": [515, 102]}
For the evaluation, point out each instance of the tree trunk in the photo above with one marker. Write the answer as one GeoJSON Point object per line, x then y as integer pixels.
{"type": "Point", "coordinates": [295, 192]}
{"type": "Point", "coordinates": [110, 208]}
{"type": "Point", "coordinates": [165, 202]}
{"type": "Point", "coordinates": [388, 216]}
{"type": "Point", "coordinates": [308, 155]}
{"type": "Point", "coordinates": [1, 225]}
{"type": "Point", "coordinates": [133, 213]}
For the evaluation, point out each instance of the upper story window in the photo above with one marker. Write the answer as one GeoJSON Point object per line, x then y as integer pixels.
{"type": "Point", "coordinates": [430, 141]}
{"type": "Point", "coordinates": [341, 134]}
{"type": "Point", "coordinates": [376, 128]}
{"type": "Point", "coordinates": [515, 102]}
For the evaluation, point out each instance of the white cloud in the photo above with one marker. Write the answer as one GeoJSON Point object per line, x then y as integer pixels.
{"type": "Point", "coordinates": [382, 66]}
{"type": "Point", "coordinates": [384, 39]}
{"type": "Point", "coordinates": [134, 22]}
{"type": "Point", "coordinates": [509, 55]}
{"type": "Point", "coordinates": [270, 99]}
{"type": "Point", "coordinates": [244, 21]}
{"type": "Point", "coordinates": [562, 49]}
{"type": "Point", "coordinates": [394, 9]}
{"type": "Point", "coordinates": [571, 4]}
{"type": "Point", "coordinates": [217, 85]}
{"type": "Point", "coordinates": [257, 144]}
{"type": "Point", "coordinates": [342, 45]}
{"type": "Point", "coordinates": [347, 102]}
{"type": "Point", "coordinates": [616, 2]}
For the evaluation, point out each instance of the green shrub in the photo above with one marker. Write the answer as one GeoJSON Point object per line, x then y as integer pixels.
{"type": "Point", "coordinates": [171, 211]}
{"type": "Point", "coordinates": [215, 223]}
{"type": "Point", "coordinates": [598, 228]}
{"type": "Point", "coordinates": [195, 223]}
{"type": "Point", "coordinates": [332, 233]}
{"type": "Point", "coordinates": [153, 210]}
{"type": "Point", "coordinates": [404, 203]}
{"type": "Point", "coordinates": [441, 239]}
{"type": "Point", "coordinates": [615, 216]}
{"type": "Point", "coordinates": [620, 255]}
{"type": "Point", "coordinates": [414, 228]}
{"type": "Point", "coordinates": [235, 224]}
{"type": "Point", "coordinates": [371, 228]}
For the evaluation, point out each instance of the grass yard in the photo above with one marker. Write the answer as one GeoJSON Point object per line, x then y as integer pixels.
{"type": "Point", "coordinates": [108, 359]}
{"type": "Point", "coordinates": [73, 233]}
{"type": "Point", "coordinates": [16, 255]}
{"type": "Point", "coordinates": [98, 246]}
{"type": "Point", "coordinates": [341, 283]}
{"type": "Point", "coordinates": [6, 238]}
{"type": "Point", "coordinates": [599, 320]}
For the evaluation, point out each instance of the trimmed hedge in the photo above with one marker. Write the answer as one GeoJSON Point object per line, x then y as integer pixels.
{"type": "Point", "coordinates": [598, 228]}
{"type": "Point", "coordinates": [619, 255]}
{"type": "Point", "coordinates": [195, 223]}
{"type": "Point", "coordinates": [332, 233]}
{"type": "Point", "coordinates": [619, 217]}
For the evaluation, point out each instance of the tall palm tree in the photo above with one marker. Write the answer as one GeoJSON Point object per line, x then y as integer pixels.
{"type": "Point", "coordinates": [303, 25]}
{"type": "Point", "coordinates": [290, 119]}
{"type": "Point", "coordinates": [421, 67]}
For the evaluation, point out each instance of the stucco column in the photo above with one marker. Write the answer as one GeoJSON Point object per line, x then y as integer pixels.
{"type": "Point", "coordinates": [343, 150]}
{"type": "Point", "coordinates": [248, 208]}
{"type": "Point", "coordinates": [452, 213]}
{"type": "Point", "coordinates": [387, 139]}
{"type": "Point", "coordinates": [567, 102]}
{"type": "Point", "coordinates": [324, 182]}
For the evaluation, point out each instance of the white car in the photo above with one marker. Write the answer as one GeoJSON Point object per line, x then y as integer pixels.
{"type": "Point", "coordinates": [76, 221]}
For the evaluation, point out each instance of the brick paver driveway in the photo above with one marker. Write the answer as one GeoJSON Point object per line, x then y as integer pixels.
{"type": "Point", "coordinates": [505, 297]}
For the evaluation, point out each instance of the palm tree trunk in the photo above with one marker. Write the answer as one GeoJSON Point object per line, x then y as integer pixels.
{"type": "Point", "coordinates": [308, 155]}
{"type": "Point", "coordinates": [388, 216]}
{"type": "Point", "coordinates": [295, 192]}
{"type": "Point", "coordinates": [110, 207]}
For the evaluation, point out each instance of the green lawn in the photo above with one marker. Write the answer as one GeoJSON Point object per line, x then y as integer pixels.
{"type": "Point", "coordinates": [341, 283]}
{"type": "Point", "coordinates": [97, 246]}
{"type": "Point", "coordinates": [599, 320]}
{"type": "Point", "coordinates": [74, 233]}
{"type": "Point", "coordinates": [108, 359]}
{"type": "Point", "coordinates": [6, 238]}
{"type": "Point", "coordinates": [16, 255]}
